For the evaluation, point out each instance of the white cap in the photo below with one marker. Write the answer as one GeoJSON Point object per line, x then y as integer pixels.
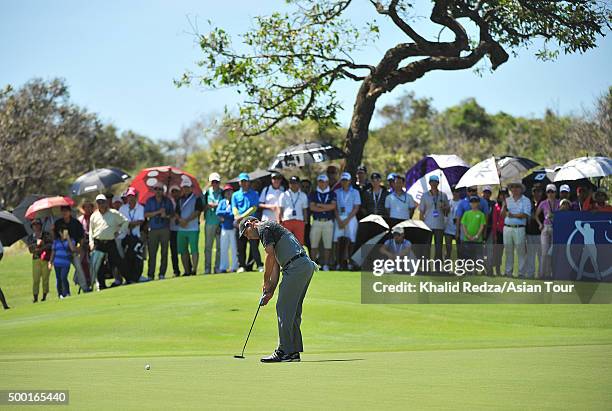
{"type": "Point", "coordinates": [551, 187]}
{"type": "Point", "coordinates": [214, 177]}
{"type": "Point", "coordinates": [487, 188]}
{"type": "Point", "coordinates": [322, 177]}
{"type": "Point", "coordinates": [186, 183]}
{"type": "Point", "coordinates": [565, 188]}
{"type": "Point", "coordinates": [174, 187]}
{"type": "Point", "coordinates": [345, 176]}
{"type": "Point", "coordinates": [117, 198]}
{"type": "Point", "coordinates": [101, 197]}
{"type": "Point", "coordinates": [398, 230]}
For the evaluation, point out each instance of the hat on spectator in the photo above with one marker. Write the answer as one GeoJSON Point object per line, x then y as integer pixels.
{"type": "Point", "coordinates": [565, 201]}
{"type": "Point", "coordinates": [362, 168]}
{"type": "Point", "coordinates": [243, 225]}
{"type": "Point", "coordinates": [186, 183]}
{"type": "Point", "coordinates": [276, 175]}
{"type": "Point", "coordinates": [244, 177]}
{"type": "Point", "coordinates": [565, 188]}
{"type": "Point", "coordinates": [214, 177]}
{"type": "Point", "coordinates": [434, 177]}
{"type": "Point", "coordinates": [117, 199]}
{"type": "Point", "coordinates": [375, 176]}
{"type": "Point", "coordinates": [228, 187]}
{"type": "Point", "coordinates": [390, 176]}
{"type": "Point", "coordinates": [294, 179]}
{"type": "Point", "coordinates": [487, 188]}
{"type": "Point", "coordinates": [131, 191]}
{"type": "Point", "coordinates": [397, 230]}
{"type": "Point", "coordinates": [345, 176]}
{"type": "Point", "coordinates": [474, 199]}
{"type": "Point", "coordinates": [551, 187]}
{"type": "Point", "coordinates": [322, 177]}
{"type": "Point", "coordinates": [174, 187]}
{"type": "Point", "coordinates": [100, 197]}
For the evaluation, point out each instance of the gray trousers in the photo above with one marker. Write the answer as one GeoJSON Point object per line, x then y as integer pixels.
{"type": "Point", "coordinates": [157, 238]}
{"type": "Point", "coordinates": [212, 233]}
{"type": "Point", "coordinates": [291, 293]}
{"type": "Point", "coordinates": [533, 253]}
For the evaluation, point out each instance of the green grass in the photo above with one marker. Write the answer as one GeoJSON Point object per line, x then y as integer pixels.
{"type": "Point", "coordinates": [394, 356]}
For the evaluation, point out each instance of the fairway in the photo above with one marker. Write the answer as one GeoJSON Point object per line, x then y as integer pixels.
{"type": "Point", "coordinates": [356, 356]}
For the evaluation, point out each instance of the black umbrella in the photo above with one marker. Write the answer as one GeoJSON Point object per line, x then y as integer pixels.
{"type": "Point", "coordinates": [305, 154]}
{"type": "Point", "coordinates": [415, 231]}
{"type": "Point", "coordinates": [11, 229]}
{"type": "Point", "coordinates": [97, 181]}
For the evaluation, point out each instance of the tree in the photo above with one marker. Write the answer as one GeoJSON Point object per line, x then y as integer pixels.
{"type": "Point", "coordinates": [293, 59]}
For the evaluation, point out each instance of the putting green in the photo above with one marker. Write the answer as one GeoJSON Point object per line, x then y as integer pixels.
{"type": "Point", "coordinates": [357, 356]}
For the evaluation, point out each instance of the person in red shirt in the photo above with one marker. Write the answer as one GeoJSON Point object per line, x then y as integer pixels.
{"type": "Point", "coordinates": [497, 231]}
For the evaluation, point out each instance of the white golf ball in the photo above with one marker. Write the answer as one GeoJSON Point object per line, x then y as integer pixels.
{"type": "Point", "coordinates": [147, 367]}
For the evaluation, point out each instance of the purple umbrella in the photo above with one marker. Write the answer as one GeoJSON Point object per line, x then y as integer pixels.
{"type": "Point", "coordinates": [449, 168]}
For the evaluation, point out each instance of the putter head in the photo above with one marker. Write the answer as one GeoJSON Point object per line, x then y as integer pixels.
{"type": "Point", "coordinates": [239, 356]}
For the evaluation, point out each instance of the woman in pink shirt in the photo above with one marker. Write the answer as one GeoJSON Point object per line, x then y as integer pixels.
{"type": "Point", "coordinates": [497, 231]}
{"type": "Point", "coordinates": [548, 208]}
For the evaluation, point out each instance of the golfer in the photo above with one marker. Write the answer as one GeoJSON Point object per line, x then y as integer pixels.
{"type": "Point", "coordinates": [283, 251]}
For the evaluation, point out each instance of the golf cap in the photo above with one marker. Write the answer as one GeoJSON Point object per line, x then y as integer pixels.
{"type": "Point", "coordinates": [117, 199]}
{"type": "Point", "coordinates": [243, 224]}
{"type": "Point", "coordinates": [186, 183]}
{"type": "Point", "coordinates": [390, 176]}
{"type": "Point", "coordinates": [551, 187]}
{"type": "Point", "coordinates": [472, 188]}
{"type": "Point", "coordinates": [345, 176]}
{"type": "Point", "coordinates": [131, 191]}
{"type": "Point", "coordinates": [174, 187]}
{"type": "Point", "coordinates": [454, 188]}
{"type": "Point", "coordinates": [434, 178]}
{"type": "Point", "coordinates": [276, 176]}
{"type": "Point", "coordinates": [228, 187]}
{"type": "Point", "coordinates": [362, 169]}
{"type": "Point", "coordinates": [565, 188]}
{"type": "Point", "coordinates": [474, 199]}
{"type": "Point", "coordinates": [487, 188]}
{"type": "Point", "coordinates": [322, 177]}
{"type": "Point", "coordinates": [100, 197]}
{"type": "Point", "coordinates": [375, 176]}
{"type": "Point", "coordinates": [243, 177]}
{"type": "Point", "coordinates": [397, 230]}
{"type": "Point", "coordinates": [214, 177]}
{"type": "Point", "coordinates": [294, 179]}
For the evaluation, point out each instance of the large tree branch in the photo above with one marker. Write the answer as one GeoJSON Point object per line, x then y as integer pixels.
{"type": "Point", "coordinates": [391, 11]}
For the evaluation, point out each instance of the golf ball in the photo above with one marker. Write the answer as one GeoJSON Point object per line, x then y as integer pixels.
{"type": "Point", "coordinates": [147, 367]}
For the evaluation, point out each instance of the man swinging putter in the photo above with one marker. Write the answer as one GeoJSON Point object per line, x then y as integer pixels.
{"type": "Point", "coordinates": [283, 251]}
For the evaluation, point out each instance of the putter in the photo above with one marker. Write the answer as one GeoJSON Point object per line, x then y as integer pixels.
{"type": "Point", "coordinates": [241, 356]}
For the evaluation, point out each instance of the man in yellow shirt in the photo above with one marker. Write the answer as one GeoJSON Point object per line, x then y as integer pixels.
{"type": "Point", "coordinates": [104, 226]}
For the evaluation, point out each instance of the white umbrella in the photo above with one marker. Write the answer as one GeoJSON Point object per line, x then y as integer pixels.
{"type": "Point", "coordinates": [483, 173]}
{"type": "Point", "coordinates": [585, 167]}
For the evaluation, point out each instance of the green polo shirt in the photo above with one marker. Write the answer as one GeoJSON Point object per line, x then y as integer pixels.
{"type": "Point", "coordinates": [473, 220]}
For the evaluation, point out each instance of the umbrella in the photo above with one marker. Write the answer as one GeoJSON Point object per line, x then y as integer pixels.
{"type": "Point", "coordinates": [254, 175]}
{"type": "Point", "coordinates": [48, 206]}
{"type": "Point", "coordinates": [167, 175]}
{"type": "Point", "coordinates": [543, 176]}
{"type": "Point", "coordinates": [585, 167]}
{"type": "Point", "coordinates": [98, 180]}
{"type": "Point", "coordinates": [449, 168]}
{"type": "Point", "coordinates": [305, 154]}
{"type": "Point", "coordinates": [11, 229]}
{"type": "Point", "coordinates": [377, 226]}
{"type": "Point", "coordinates": [494, 172]}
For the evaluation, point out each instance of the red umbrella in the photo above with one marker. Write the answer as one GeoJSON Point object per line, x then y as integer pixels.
{"type": "Point", "coordinates": [167, 175]}
{"type": "Point", "coordinates": [47, 207]}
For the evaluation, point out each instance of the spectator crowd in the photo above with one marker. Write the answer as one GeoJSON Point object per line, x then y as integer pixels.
{"type": "Point", "coordinates": [113, 236]}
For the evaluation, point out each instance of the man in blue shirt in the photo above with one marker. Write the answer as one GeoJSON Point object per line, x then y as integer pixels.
{"type": "Point", "coordinates": [348, 202]}
{"type": "Point", "coordinates": [158, 210]}
{"type": "Point", "coordinates": [322, 204]}
{"type": "Point", "coordinates": [244, 203]}
{"type": "Point", "coordinates": [516, 210]}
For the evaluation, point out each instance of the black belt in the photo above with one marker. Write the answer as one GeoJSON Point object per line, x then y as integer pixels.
{"type": "Point", "coordinates": [513, 226]}
{"type": "Point", "coordinates": [323, 219]}
{"type": "Point", "coordinates": [292, 259]}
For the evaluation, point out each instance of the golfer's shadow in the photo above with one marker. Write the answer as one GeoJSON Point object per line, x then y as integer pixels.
{"type": "Point", "coordinates": [336, 360]}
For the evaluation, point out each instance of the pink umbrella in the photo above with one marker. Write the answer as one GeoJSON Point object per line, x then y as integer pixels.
{"type": "Point", "coordinates": [47, 207]}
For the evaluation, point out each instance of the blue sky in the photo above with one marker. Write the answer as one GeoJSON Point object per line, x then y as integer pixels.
{"type": "Point", "coordinates": [120, 57]}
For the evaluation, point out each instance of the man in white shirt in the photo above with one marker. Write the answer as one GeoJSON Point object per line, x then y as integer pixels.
{"type": "Point", "coordinates": [134, 213]}
{"type": "Point", "coordinates": [294, 209]}
{"type": "Point", "coordinates": [515, 211]}
{"type": "Point", "coordinates": [269, 199]}
{"type": "Point", "coordinates": [348, 202]}
{"type": "Point", "coordinates": [399, 203]}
